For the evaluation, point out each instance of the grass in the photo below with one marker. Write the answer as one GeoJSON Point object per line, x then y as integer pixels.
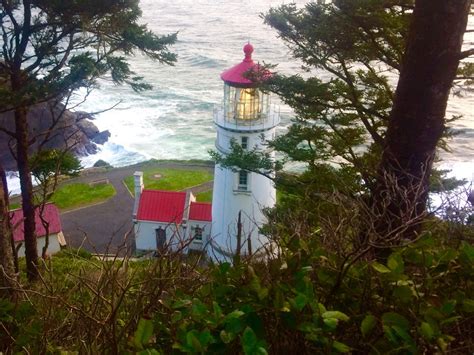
{"type": "Point", "coordinates": [77, 195]}
{"type": "Point", "coordinates": [205, 196]}
{"type": "Point", "coordinates": [15, 206]}
{"type": "Point", "coordinates": [171, 179]}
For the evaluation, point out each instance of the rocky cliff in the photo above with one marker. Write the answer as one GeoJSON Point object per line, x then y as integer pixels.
{"type": "Point", "coordinates": [53, 127]}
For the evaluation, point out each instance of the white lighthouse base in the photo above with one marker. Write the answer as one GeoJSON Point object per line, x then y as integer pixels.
{"type": "Point", "coordinates": [228, 201]}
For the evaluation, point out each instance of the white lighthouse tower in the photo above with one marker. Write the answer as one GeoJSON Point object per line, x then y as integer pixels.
{"type": "Point", "coordinates": [247, 118]}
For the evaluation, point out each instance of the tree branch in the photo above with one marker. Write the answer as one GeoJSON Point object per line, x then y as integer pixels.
{"type": "Point", "coordinates": [466, 53]}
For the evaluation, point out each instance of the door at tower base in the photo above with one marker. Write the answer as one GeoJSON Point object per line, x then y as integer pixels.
{"type": "Point", "coordinates": [232, 195]}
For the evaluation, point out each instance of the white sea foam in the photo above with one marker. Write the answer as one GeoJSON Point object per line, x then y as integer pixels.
{"type": "Point", "coordinates": [174, 120]}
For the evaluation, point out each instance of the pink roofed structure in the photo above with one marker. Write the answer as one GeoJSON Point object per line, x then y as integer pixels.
{"type": "Point", "coordinates": [236, 76]}
{"type": "Point", "coordinates": [161, 206]}
{"type": "Point", "coordinates": [50, 214]}
{"type": "Point", "coordinates": [200, 211]}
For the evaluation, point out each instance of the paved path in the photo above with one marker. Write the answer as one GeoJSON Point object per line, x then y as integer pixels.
{"type": "Point", "coordinates": [107, 227]}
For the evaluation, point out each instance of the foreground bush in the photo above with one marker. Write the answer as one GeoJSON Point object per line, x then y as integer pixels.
{"type": "Point", "coordinates": [304, 300]}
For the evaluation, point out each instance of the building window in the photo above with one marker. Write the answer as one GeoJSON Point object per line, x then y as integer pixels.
{"type": "Point", "coordinates": [243, 180]}
{"type": "Point", "coordinates": [244, 143]}
{"type": "Point", "coordinates": [198, 233]}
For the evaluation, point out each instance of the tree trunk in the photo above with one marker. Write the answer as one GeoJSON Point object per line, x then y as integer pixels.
{"type": "Point", "coordinates": [31, 252]}
{"type": "Point", "coordinates": [417, 119]}
{"type": "Point", "coordinates": [6, 198]}
{"type": "Point", "coordinates": [7, 273]}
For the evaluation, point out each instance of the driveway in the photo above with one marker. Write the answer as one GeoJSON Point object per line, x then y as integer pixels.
{"type": "Point", "coordinates": [107, 228]}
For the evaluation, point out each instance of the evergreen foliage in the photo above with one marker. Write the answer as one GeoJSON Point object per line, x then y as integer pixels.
{"type": "Point", "coordinates": [304, 300]}
{"type": "Point", "coordinates": [50, 49]}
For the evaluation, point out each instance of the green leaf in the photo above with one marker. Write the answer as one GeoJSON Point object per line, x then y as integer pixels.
{"type": "Point", "coordinates": [193, 342]}
{"type": "Point", "coordinates": [143, 333]}
{"type": "Point", "coordinates": [181, 304]}
{"type": "Point", "coordinates": [403, 293]}
{"type": "Point", "coordinates": [426, 331]}
{"type": "Point", "coordinates": [234, 314]}
{"type": "Point", "coordinates": [217, 309]}
{"type": "Point", "coordinates": [468, 305]}
{"type": "Point", "coordinates": [449, 307]}
{"type": "Point", "coordinates": [395, 319]}
{"type": "Point", "coordinates": [468, 251]}
{"type": "Point", "coordinates": [249, 341]}
{"type": "Point", "coordinates": [395, 263]}
{"type": "Point", "coordinates": [226, 337]}
{"type": "Point", "coordinates": [368, 323]}
{"type": "Point", "coordinates": [331, 323]}
{"type": "Point", "coordinates": [300, 301]}
{"type": "Point", "coordinates": [176, 316]}
{"type": "Point", "coordinates": [198, 309]}
{"type": "Point", "coordinates": [205, 337]}
{"type": "Point", "coordinates": [340, 347]}
{"type": "Point", "coordinates": [403, 334]}
{"type": "Point", "coordinates": [450, 320]}
{"type": "Point", "coordinates": [335, 314]}
{"type": "Point", "coordinates": [149, 352]}
{"type": "Point", "coordinates": [380, 268]}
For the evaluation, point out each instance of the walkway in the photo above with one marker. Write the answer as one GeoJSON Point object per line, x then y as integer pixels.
{"type": "Point", "coordinates": [107, 228]}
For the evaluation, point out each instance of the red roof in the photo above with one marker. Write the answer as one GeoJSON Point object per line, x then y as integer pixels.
{"type": "Point", "coordinates": [50, 214]}
{"type": "Point", "coordinates": [161, 206]}
{"type": "Point", "coordinates": [235, 76]}
{"type": "Point", "coordinates": [200, 211]}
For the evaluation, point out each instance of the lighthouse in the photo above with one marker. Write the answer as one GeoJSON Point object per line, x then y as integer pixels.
{"type": "Point", "coordinates": [246, 118]}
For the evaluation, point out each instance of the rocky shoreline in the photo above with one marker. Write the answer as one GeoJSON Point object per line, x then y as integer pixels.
{"type": "Point", "coordinates": [53, 128]}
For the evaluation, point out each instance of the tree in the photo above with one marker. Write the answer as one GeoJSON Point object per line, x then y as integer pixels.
{"type": "Point", "coordinates": [417, 120]}
{"type": "Point", "coordinates": [353, 51]}
{"type": "Point", "coordinates": [50, 48]}
{"type": "Point", "coordinates": [47, 166]}
{"type": "Point", "coordinates": [7, 269]}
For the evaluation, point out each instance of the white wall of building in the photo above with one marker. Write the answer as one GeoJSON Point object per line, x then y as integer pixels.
{"type": "Point", "coordinates": [54, 245]}
{"type": "Point", "coordinates": [228, 200]}
{"type": "Point", "coordinates": [145, 235]}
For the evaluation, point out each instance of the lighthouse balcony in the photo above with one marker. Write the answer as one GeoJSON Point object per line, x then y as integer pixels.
{"type": "Point", "coordinates": [259, 123]}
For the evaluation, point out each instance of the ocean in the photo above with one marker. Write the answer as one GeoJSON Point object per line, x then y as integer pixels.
{"type": "Point", "coordinates": [175, 119]}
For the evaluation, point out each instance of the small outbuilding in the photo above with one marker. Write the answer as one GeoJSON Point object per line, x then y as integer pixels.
{"type": "Point", "coordinates": [49, 226]}
{"type": "Point", "coordinates": [169, 220]}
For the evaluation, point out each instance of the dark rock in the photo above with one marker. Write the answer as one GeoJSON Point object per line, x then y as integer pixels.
{"type": "Point", "coordinates": [81, 115]}
{"type": "Point", "coordinates": [51, 128]}
{"type": "Point", "coordinates": [89, 129]}
{"type": "Point", "coordinates": [101, 137]}
{"type": "Point", "coordinates": [101, 163]}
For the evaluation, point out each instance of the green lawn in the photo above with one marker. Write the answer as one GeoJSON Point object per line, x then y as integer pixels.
{"type": "Point", "coordinates": [204, 196]}
{"type": "Point", "coordinates": [77, 195]}
{"type": "Point", "coordinates": [14, 206]}
{"type": "Point", "coordinates": [171, 179]}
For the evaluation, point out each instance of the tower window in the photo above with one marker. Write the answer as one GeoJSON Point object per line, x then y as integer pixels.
{"type": "Point", "coordinates": [243, 180]}
{"type": "Point", "coordinates": [244, 142]}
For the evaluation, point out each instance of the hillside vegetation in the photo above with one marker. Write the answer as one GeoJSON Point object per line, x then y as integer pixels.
{"type": "Point", "coordinates": [307, 298]}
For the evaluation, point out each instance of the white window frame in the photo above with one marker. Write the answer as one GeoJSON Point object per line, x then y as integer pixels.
{"type": "Point", "coordinates": [243, 187]}
{"type": "Point", "coordinates": [244, 142]}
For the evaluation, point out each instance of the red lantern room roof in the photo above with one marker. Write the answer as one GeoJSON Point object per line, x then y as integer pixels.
{"type": "Point", "coordinates": [235, 75]}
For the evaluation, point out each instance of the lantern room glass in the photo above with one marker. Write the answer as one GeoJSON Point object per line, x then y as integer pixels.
{"type": "Point", "coordinates": [244, 104]}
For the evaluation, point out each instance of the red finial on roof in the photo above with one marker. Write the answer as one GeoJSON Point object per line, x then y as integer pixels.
{"type": "Point", "coordinates": [248, 50]}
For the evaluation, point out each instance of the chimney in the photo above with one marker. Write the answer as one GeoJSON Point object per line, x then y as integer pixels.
{"type": "Point", "coordinates": [187, 204]}
{"type": "Point", "coordinates": [138, 183]}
